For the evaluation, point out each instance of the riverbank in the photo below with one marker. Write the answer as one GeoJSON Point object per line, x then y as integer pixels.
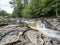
{"type": "Point", "coordinates": [52, 23]}
{"type": "Point", "coordinates": [16, 33]}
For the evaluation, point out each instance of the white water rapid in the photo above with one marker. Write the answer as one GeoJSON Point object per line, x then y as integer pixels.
{"type": "Point", "coordinates": [38, 25]}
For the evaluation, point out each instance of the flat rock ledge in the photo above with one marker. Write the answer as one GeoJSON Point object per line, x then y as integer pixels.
{"type": "Point", "coordinates": [18, 35]}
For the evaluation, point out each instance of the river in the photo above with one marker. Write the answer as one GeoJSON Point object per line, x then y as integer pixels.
{"type": "Point", "coordinates": [43, 28]}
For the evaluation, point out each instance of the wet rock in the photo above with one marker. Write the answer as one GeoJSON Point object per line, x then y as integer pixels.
{"type": "Point", "coordinates": [32, 36]}
{"type": "Point", "coordinates": [36, 38]}
{"type": "Point", "coordinates": [17, 35]}
{"type": "Point", "coordinates": [10, 33]}
{"type": "Point", "coordinates": [55, 22]}
{"type": "Point", "coordinates": [30, 44]}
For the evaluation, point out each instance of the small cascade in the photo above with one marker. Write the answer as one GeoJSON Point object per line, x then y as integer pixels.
{"type": "Point", "coordinates": [41, 27]}
{"type": "Point", "coordinates": [40, 24]}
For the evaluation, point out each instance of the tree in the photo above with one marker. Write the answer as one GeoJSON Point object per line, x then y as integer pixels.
{"type": "Point", "coordinates": [31, 9]}
{"type": "Point", "coordinates": [13, 3]}
{"type": "Point", "coordinates": [17, 8]}
{"type": "Point", "coordinates": [56, 8]}
{"type": "Point", "coordinates": [26, 12]}
{"type": "Point", "coordinates": [36, 8]}
{"type": "Point", "coordinates": [3, 13]}
{"type": "Point", "coordinates": [48, 7]}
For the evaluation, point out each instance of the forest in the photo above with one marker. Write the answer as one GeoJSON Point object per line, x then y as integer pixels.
{"type": "Point", "coordinates": [33, 8]}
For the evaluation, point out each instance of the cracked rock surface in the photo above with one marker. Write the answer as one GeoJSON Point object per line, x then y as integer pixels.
{"type": "Point", "coordinates": [17, 35]}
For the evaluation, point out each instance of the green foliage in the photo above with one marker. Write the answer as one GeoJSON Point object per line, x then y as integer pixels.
{"type": "Point", "coordinates": [13, 3]}
{"type": "Point", "coordinates": [31, 9]}
{"type": "Point", "coordinates": [3, 13]}
{"type": "Point", "coordinates": [26, 12]}
{"type": "Point", "coordinates": [1, 17]}
{"type": "Point", "coordinates": [17, 9]}
{"type": "Point", "coordinates": [36, 8]}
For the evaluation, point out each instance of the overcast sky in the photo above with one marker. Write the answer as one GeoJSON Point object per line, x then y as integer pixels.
{"type": "Point", "coordinates": [4, 5]}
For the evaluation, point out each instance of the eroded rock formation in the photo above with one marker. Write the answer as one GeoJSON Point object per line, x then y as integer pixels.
{"type": "Point", "coordinates": [18, 35]}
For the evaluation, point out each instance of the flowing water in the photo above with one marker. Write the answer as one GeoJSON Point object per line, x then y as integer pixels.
{"type": "Point", "coordinates": [42, 27]}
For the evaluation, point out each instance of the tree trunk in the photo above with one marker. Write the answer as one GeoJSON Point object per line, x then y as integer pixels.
{"type": "Point", "coordinates": [56, 9]}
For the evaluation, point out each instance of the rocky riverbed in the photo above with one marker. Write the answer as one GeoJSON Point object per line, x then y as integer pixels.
{"type": "Point", "coordinates": [18, 34]}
